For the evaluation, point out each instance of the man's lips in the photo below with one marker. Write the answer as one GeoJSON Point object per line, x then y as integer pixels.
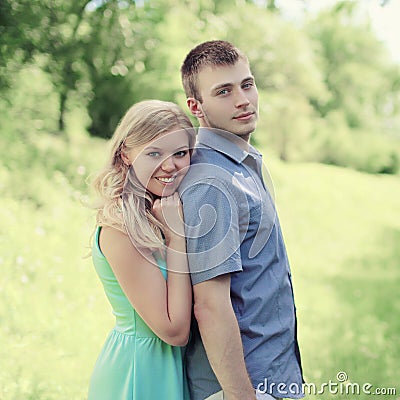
{"type": "Point", "coordinates": [244, 116]}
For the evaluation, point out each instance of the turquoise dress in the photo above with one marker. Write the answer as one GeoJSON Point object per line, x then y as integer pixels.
{"type": "Point", "coordinates": [134, 363]}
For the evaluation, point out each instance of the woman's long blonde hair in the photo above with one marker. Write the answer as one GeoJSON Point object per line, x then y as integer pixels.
{"type": "Point", "coordinates": [124, 203]}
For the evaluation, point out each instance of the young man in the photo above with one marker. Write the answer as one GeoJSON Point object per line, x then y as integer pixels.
{"type": "Point", "coordinates": [244, 338]}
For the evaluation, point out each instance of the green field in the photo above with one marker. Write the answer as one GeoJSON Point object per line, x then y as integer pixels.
{"type": "Point", "coordinates": [342, 230]}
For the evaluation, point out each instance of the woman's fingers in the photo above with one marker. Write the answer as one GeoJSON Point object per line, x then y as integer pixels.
{"type": "Point", "coordinates": [168, 210]}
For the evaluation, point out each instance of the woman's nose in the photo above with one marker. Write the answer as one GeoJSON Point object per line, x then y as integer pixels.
{"type": "Point", "coordinates": [168, 165]}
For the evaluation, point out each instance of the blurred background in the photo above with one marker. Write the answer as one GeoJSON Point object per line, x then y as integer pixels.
{"type": "Point", "coordinates": [328, 75]}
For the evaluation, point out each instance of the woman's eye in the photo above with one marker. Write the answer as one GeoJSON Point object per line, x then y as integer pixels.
{"type": "Point", "coordinates": [154, 154]}
{"type": "Point", "coordinates": [181, 153]}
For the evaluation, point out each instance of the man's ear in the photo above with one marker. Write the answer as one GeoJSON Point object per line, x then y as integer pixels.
{"type": "Point", "coordinates": [195, 107]}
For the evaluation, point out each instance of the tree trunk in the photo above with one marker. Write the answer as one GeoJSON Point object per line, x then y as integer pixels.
{"type": "Point", "coordinates": [271, 5]}
{"type": "Point", "coordinates": [283, 148]}
{"type": "Point", "coordinates": [63, 102]}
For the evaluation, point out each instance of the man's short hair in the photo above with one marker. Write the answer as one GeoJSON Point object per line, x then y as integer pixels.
{"type": "Point", "coordinates": [211, 53]}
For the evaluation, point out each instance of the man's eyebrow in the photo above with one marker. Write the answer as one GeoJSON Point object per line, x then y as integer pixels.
{"type": "Point", "coordinates": [221, 85]}
{"type": "Point", "coordinates": [249, 78]}
{"type": "Point", "coordinates": [230, 84]}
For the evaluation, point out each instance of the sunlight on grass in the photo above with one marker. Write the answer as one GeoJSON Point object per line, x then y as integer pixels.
{"type": "Point", "coordinates": [342, 232]}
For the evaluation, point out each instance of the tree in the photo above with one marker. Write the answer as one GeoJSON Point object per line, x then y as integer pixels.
{"type": "Point", "coordinates": [49, 28]}
{"type": "Point", "coordinates": [354, 63]}
{"type": "Point", "coordinates": [62, 43]}
{"type": "Point", "coordinates": [119, 52]}
{"type": "Point", "coordinates": [17, 42]}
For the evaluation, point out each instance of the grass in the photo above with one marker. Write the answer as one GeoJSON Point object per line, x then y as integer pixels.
{"type": "Point", "coordinates": [342, 230]}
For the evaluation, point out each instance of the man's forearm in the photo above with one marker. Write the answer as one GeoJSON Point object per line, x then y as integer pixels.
{"type": "Point", "coordinates": [221, 338]}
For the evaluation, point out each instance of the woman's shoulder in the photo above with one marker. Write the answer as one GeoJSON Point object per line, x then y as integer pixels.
{"type": "Point", "coordinates": [110, 237]}
{"type": "Point", "coordinates": [114, 241]}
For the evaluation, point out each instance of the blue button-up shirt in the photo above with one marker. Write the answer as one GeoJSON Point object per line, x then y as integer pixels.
{"type": "Point", "coordinates": [232, 227]}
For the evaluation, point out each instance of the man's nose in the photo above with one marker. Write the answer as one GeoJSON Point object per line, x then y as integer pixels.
{"type": "Point", "coordinates": [241, 99]}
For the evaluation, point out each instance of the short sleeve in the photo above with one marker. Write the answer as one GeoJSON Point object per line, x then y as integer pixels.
{"type": "Point", "coordinates": [212, 229]}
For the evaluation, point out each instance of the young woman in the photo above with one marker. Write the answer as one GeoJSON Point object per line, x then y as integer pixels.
{"type": "Point", "coordinates": [139, 254]}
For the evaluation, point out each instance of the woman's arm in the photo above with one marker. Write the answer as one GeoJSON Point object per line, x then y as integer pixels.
{"type": "Point", "coordinates": [165, 305]}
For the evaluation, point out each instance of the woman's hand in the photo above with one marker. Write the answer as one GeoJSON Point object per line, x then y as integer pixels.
{"type": "Point", "coordinates": [168, 211]}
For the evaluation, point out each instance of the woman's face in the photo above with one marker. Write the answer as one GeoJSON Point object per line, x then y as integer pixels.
{"type": "Point", "coordinates": [161, 164]}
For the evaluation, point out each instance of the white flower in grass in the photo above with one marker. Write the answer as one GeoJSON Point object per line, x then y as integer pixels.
{"type": "Point", "coordinates": [81, 170]}
{"type": "Point", "coordinates": [20, 260]}
{"type": "Point", "coordinates": [40, 231]}
{"type": "Point", "coordinates": [60, 296]}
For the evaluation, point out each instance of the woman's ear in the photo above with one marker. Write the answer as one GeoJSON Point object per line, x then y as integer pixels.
{"type": "Point", "coordinates": [195, 107]}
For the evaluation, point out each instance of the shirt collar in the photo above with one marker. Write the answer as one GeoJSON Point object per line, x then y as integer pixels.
{"type": "Point", "coordinates": [224, 142]}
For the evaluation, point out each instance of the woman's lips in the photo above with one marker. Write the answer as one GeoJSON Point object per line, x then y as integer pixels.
{"type": "Point", "coordinates": [166, 180]}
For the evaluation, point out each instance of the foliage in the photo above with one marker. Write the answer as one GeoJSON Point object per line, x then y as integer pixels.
{"type": "Point", "coordinates": [116, 59]}
{"type": "Point", "coordinates": [336, 144]}
{"type": "Point", "coordinates": [355, 66]}
{"type": "Point", "coordinates": [50, 30]}
{"type": "Point", "coordinates": [325, 86]}
{"type": "Point", "coordinates": [16, 39]}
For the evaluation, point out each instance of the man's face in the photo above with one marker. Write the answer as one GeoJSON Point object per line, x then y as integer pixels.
{"type": "Point", "coordinates": [229, 98]}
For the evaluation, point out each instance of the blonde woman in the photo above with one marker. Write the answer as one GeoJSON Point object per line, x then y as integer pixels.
{"type": "Point", "coordinates": [139, 254]}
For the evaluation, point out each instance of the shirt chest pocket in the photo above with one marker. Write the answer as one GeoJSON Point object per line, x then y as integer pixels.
{"type": "Point", "coordinates": [256, 222]}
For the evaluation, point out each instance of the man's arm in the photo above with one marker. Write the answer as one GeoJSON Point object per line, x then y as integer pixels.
{"type": "Point", "coordinates": [213, 244]}
{"type": "Point", "coordinates": [221, 337]}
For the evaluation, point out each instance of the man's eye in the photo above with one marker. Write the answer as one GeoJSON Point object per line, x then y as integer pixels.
{"type": "Point", "coordinates": [223, 92]}
{"type": "Point", "coordinates": [247, 85]}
